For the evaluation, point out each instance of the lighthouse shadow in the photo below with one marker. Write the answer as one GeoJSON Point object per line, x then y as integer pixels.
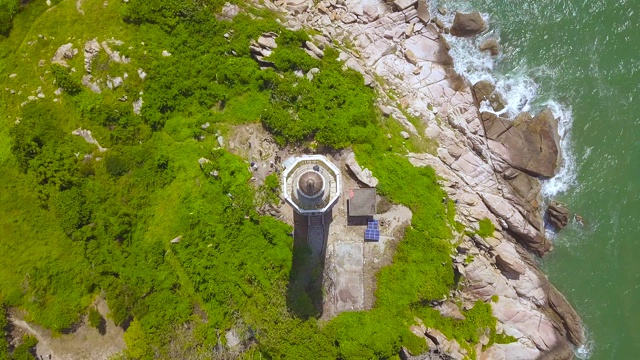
{"type": "Point", "coordinates": [304, 291]}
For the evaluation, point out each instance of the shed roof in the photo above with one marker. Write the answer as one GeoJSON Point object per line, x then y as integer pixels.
{"type": "Point", "coordinates": [362, 202]}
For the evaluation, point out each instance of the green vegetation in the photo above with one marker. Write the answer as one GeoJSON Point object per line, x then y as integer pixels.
{"type": "Point", "coordinates": [4, 344]}
{"type": "Point", "coordinates": [486, 228]}
{"type": "Point", "coordinates": [65, 80]}
{"type": "Point", "coordinates": [8, 9]}
{"type": "Point", "coordinates": [94, 317]}
{"type": "Point", "coordinates": [26, 350]}
{"type": "Point", "coordinates": [77, 221]}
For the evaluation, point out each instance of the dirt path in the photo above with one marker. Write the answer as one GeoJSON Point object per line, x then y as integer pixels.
{"type": "Point", "coordinates": [85, 343]}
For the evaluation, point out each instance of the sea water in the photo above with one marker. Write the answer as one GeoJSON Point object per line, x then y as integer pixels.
{"type": "Point", "coordinates": [581, 58]}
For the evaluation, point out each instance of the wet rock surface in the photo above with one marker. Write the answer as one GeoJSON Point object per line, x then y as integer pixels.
{"type": "Point", "coordinates": [466, 25]}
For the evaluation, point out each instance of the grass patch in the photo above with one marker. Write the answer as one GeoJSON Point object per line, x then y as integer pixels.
{"type": "Point", "coordinates": [486, 228]}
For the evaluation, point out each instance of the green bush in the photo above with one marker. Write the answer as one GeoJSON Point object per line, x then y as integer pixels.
{"type": "Point", "coordinates": [4, 344]}
{"type": "Point", "coordinates": [486, 228]}
{"type": "Point", "coordinates": [94, 317]}
{"type": "Point", "coordinates": [63, 78]}
{"type": "Point", "coordinates": [26, 350]}
{"type": "Point", "coordinates": [115, 165]}
{"type": "Point", "coordinates": [8, 9]}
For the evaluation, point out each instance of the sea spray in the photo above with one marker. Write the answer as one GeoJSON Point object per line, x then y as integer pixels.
{"type": "Point", "coordinates": [566, 177]}
{"type": "Point", "coordinates": [517, 87]}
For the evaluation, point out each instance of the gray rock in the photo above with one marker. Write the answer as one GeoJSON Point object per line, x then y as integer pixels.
{"type": "Point", "coordinates": [91, 50]}
{"type": "Point", "coordinates": [88, 137]}
{"type": "Point", "coordinates": [316, 50]}
{"type": "Point", "coordinates": [311, 73]}
{"type": "Point", "coordinates": [113, 83]}
{"type": "Point", "coordinates": [450, 309]}
{"type": "Point", "coordinates": [137, 106]}
{"type": "Point", "coordinates": [467, 25]}
{"type": "Point", "coordinates": [220, 141]}
{"type": "Point", "coordinates": [370, 12]}
{"type": "Point", "coordinates": [165, 53]}
{"type": "Point", "coordinates": [93, 86]}
{"type": "Point", "coordinates": [176, 240]}
{"type": "Point", "coordinates": [411, 57]}
{"type": "Point", "coordinates": [404, 135]}
{"type": "Point", "coordinates": [267, 41]}
{"type": "Point", "coordinates": [228, 12]}
{"type": "Point", "coordinates": [64, 52]}
{"type": "Point", "coordinates": [386, 111]}
{"type": "Point", "coordinates": [364, 175]}
{"type": "Point", "coordinates": [114, 55]}
{"type": "Point", "coordinates": [297, 6]}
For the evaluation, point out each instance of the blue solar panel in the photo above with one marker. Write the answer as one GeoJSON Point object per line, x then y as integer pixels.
{"type": "Point", "coordinates": [370, 234]}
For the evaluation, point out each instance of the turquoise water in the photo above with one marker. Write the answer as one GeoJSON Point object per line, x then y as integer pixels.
{"type": "Point", "coordinates": [583, 58]}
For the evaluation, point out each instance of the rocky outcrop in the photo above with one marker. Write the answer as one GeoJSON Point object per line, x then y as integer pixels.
{"type": "Point", "coordinates": [114, 55]}
{"type": "Point", "coordinates": [91, 50]}
{"type": "Point", "coordinates": [363, 175]}
{"type": "Point", "coordinates": [557, 214]}
{"type": "Point", "coordinates": [263, 48]}
{"type": "Point", "coordinates": [485, 177]}
{"type": "Point", "coordinates": [531, 144]}
{"type": "Point", "coordinates": [450, 309]}
{"type": "Point", "coordinates": [88, 137]}
{"type": "Point", "coordinates": [64, 52]}
{"type": "Point", "coordinates": [437, 340]}
{"type": "Point", "coordinates": [228, 12]}
{"type": "Point", "coordinates": [467, 25]}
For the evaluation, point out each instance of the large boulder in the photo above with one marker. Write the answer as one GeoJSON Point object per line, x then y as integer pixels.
{"type": "Point", "coordinates": [467, 25]}
{"type": "Point", "coordinates": [531, 144]}
{"type": "Point", "coordinates": [491, 45]}
{"type": "Point", "coordinates": [485, 90]}
{"type": "Point", "coordinates": [557, 214]}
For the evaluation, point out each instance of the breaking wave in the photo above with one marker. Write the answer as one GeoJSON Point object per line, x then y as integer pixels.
{"type": "Point", "coordinates": [520, 92]}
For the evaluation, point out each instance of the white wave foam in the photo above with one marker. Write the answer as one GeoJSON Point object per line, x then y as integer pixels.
{"type": "Point", "coordinates": [585, 350]}
{"type": "Point", "coordinates": [520, 92]}
{"type": "Point", "coordinates": [566, 177]}
{"type": "Point", "coordinates": [517, 87]}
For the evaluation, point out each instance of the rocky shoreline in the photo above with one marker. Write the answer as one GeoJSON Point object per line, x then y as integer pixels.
{"type": "Point", "coordinates": [490, 165]}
